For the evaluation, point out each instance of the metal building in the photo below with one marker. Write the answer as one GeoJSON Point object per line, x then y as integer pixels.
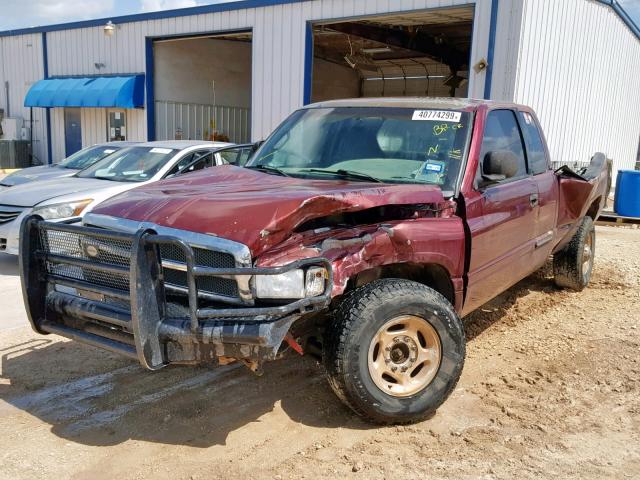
{"type": "Point", "coordinates": [235, 70]}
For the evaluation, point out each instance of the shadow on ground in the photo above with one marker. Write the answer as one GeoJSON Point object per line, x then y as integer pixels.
{"type": "Point", "coordinates": [495, 310]}
{"type": "Point", "coordinates": [91, 397]}
{"type": "Point", "coordinates": [95, 398]}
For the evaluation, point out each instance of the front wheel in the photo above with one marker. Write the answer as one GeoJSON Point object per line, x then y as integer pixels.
{"type": "Point", "coordinates": [394, 351]}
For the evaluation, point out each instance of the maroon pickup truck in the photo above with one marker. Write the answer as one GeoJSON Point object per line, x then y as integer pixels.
{"type": "Point", "coordinates": [361, 230]}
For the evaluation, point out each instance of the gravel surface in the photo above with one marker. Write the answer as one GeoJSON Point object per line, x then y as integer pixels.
{"type": "Point", "coordinates": [550, 389]}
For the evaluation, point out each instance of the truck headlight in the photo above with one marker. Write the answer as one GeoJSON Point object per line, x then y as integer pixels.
{"type": "Point", "coordinates": [62, 210]}
{"type": "Point", "coordinates": [292, 284]}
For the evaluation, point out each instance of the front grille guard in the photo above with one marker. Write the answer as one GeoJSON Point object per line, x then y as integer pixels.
{"type": "Point", "coordinates": [148, 321]}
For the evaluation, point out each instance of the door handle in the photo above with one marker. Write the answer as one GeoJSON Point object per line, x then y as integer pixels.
{"type": "Point", "coordinates": [533, 199]}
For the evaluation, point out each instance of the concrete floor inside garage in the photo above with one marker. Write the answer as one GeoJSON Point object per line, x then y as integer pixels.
{"type": "Point", "coordinates": [422, 53]}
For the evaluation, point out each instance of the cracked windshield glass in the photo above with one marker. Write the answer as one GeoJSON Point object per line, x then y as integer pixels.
{"type": "Point", "coordinates": [390, 145]}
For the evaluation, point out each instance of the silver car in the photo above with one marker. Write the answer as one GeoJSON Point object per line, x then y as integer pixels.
{"type": "Point", "coordinates": [67, 167]}
{"type": "Point", "coordinates": [72, 197]}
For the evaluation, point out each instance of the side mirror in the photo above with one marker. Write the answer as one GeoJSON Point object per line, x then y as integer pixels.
{"type": "Point", "coordinates": [499, 165]}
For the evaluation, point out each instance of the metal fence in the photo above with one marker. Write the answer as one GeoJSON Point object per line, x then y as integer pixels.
{"type": "Point", "coordinates": [194, 121]}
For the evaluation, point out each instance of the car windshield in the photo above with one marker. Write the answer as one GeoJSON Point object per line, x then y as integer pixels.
{"type": "Point", "coordinates": [391, 145]}
{"type": "Point", "coordinates": [87, 157]}
{"type": "Point", "coordinates": [133, 164]}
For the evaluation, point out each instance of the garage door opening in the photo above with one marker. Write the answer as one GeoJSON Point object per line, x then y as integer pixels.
{"type": "Point", "coordinates": [202, 87]}
{"type": "Point", "coordinates": [423, 53]}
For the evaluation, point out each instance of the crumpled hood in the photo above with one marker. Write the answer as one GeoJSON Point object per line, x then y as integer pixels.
{"type": "Point", "coordinates": [33, 193]}
{"type": "Point", "coordinates": [257, 209]}
{"type": "Point", "coordinates": [42, 172]}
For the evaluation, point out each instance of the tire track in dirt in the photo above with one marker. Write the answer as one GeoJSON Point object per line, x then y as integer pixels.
{"type": "Point", "coordinates": [551, 387]}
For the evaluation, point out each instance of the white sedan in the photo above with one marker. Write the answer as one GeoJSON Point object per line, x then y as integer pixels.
{"type": "Point", "coordinates": [65, 198]}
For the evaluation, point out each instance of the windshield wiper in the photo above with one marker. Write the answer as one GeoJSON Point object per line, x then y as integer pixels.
{"type": "Point", "coordinates": [108, 179]}
{"type": "Point", "coordinates": [346, 174]}
{"type": "Point", "coordinates": [268, 169]}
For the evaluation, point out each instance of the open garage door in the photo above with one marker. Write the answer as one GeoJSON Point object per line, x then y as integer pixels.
{"type": "Point", "coordinates": [422, 53]}
{"type": "Point", "coordinates": [202, 87]}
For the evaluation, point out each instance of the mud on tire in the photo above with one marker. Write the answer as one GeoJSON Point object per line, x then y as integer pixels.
{"type": "Point", "coordinates": [351, 338]}
{"type": "Point", "coordinates": [572, 266]}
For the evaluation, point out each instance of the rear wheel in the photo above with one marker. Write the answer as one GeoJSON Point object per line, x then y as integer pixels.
{"type": "Point", "coordinates": [394, 351]}
{"type": "Point", "coordinates": [573, 265]}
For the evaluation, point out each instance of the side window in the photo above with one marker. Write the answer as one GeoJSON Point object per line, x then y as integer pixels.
{"type": "Point", "coordinates": [236, 156]}
{"type": "Point", "coordinates": [535, 146]}
{"type": "Point", "coordinates": [501, 133]}
{"type": "Point", "coordinates": [192, 162]}
{"type": "Point", "coordinates": [183, 162]}
{"type": "Point", "coordinates": [201, 160]}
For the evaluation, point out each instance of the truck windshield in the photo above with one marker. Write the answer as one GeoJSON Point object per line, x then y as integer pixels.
{"type": "Point", "coordinates": [391, 145]}
{"type": "Point", "coordinates": [87, 157]}
{"type": "Point", "coordinates": [133, 164]}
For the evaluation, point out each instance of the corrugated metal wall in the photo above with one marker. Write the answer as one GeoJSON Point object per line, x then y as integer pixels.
{"type": "Point", "coordinates": [57, 134]}
{"type": "Point", "coordinates": [505, 59]}
{"type": "Point", "coordinates": [579, 67]}
{"type": "Point", "coordinates": [94, 125]}
{"type": "Point", "coordinates": [574, 61]}
{"type": "Point", "coordinates": [278, 47]}
{"type": "Point", "coordinates": [21, 65]}
{"type": "Point", "coordinates": [94, 128]}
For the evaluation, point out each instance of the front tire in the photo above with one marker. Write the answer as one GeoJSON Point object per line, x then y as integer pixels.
{"type": "Point", "coordinates": [394, 351]}
{"type": "Point", "coordinates": [572, 266]}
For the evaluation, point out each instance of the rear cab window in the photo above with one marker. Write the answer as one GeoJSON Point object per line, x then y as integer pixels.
{"type": "Point", "coordinates": [536, 153]}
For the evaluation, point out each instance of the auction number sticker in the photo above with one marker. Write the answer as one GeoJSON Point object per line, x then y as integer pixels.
{"type": "Point", "coordinates": [440, 115]}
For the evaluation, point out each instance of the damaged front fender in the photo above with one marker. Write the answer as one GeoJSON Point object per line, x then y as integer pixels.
{"type": "Point", "coordinates": [358, 249]}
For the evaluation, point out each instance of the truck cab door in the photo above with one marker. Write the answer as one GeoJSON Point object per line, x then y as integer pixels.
{"type": "Point", "coordinates": [501, 216]}
{"type": "Point", "coordinates": [539, 168]}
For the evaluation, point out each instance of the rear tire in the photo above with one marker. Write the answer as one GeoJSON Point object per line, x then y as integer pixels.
{"type": "Point", "coordinates": [572, 266]}
{"type": "Point", "coordinates": [394, 351]}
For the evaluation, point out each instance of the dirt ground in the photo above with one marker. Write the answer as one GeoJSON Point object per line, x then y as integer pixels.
{"type": "Point", "coordinates": [550, 389]}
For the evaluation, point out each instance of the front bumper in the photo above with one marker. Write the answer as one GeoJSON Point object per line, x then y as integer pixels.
{"type": "Point", "coordinates": [10, 233]}
{"type": "Point", "coordinates": [141, 323]}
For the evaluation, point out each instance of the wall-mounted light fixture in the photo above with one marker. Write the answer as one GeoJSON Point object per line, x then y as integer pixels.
{"type": "Point", "coordinates": [99, 65]}
{"type": "Point", "coordinates": [109, 29]}
{"type": "Point", "coordinates": [480, 66]}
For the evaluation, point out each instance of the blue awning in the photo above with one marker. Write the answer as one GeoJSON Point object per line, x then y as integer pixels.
{"type": "Point", "coordinates": [120, 91]}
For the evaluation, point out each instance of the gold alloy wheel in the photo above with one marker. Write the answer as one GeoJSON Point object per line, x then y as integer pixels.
{"type": "Point", "coordinates": [404, 356]}
{"type": "Point", "coordinates": [587, 254]}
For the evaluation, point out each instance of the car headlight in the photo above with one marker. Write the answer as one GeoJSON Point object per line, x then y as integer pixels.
{"type": "Point", "coordinates": [62, 210]}
{"type": "Point", "coordinates": [292, 284]}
